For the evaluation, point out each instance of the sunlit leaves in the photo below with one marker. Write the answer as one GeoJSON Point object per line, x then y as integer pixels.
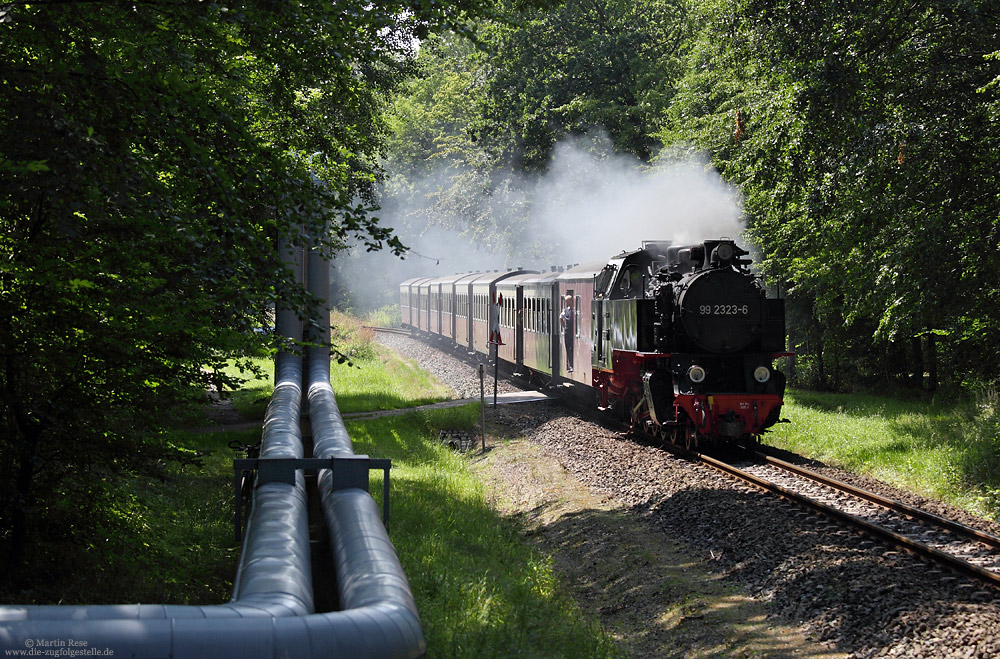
{"type": "Point", "coordinates": [151, 154]}
{"type": "Point", "coordinates": [866, 159]}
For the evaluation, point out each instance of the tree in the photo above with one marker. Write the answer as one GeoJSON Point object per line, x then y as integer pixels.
{"type": "Point", "coordinates": [867, 159]}
{"type": "Point", "coordinates": [150, 156]}
{"type": "Point", "coordinates": [476, 133]}
{"type": "Point", "coordinates": [583, 64]}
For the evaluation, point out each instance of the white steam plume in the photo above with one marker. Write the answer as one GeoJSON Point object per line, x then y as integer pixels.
{"type": "Point", "coordinates": [591, 205]}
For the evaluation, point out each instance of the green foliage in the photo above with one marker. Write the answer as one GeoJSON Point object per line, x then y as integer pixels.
{"type": "Point", "coordinates": [166, 538]}
{"type": "Point", "coordinates": [944, 449]}
{"type": "Point", "coordinates": [577, 66]}
{"type": "Point", "coordinates": [151, 155]}
{"type": "Point", "coordinates": [864, 141]}
{"type": "Point", "coordinates": [387, 316]}
{"type": "Point", "coordinates": [473, 134]}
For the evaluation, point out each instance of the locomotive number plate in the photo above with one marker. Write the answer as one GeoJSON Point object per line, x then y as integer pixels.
{"type": "Point", "coordinates": [724, 309]}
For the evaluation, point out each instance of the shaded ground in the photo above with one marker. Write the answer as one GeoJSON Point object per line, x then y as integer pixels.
{"type": "Point", "coordinates": [221, 415]}
{"type": "Point", "coordinates": [642, 588]}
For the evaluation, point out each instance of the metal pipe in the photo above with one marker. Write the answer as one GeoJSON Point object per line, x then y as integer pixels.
{"type": "Point", "coordinates": [370, 577]}
{"type": "Point", "coordinates": [270, 615]}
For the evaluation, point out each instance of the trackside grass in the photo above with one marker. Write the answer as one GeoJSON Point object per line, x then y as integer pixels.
{"type": "Point", "coordinates": [945, 450]}
{"type": "Point", "coordinates": [480, 587]}
{"type": "Point", "coordinates": [372, 378]}
{"type": "Point", "coordinates": [482, 591]}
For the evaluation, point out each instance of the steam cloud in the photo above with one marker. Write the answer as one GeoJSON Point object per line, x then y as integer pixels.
{"type": "Point", "coordinates": [594, 208]}
{"type": "Point", "coordinates": [591, 205]}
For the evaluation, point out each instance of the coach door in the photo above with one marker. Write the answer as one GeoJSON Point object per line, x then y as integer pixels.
{"type": "Point", "coordinates": [595, 328]}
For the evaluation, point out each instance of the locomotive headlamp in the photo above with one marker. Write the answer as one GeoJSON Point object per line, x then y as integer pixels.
{"type": "Point", "coordinates": [697, 374]}
{"type": "Point", "coordinates": [762, 374]}
{"type": "Point", "coordinates": [724, 252]}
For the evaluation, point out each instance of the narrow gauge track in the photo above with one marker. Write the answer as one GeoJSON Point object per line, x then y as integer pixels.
{"type": "Point", "coordinates": [388, 330]}
{"type": "Point", "coordinates": [944, 541]}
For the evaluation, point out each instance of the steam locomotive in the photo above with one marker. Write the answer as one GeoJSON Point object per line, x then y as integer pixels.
{"type": "Point", "coordinates": [680, 340]}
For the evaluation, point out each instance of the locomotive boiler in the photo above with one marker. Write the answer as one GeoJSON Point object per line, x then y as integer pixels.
{"type": "Point", "coordinates": [686, 341]}
{"type": "Point", "coordinates": [680, 340]}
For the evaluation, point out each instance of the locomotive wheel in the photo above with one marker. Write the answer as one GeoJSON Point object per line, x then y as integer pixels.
{"type": "Point", "coordinates": [690, 438]}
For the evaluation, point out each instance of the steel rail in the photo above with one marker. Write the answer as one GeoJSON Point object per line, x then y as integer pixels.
{"type": "Point", "coordinates": [387, 330]}
{"type": "Point", "coordinates": [958, 564]}
{"type": "Point", "coordinates": [891, 504]}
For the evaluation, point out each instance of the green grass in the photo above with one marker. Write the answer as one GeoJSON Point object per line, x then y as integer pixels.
{"type": "Point", "coordinates": [379, 381]}
{"type": "Point", "coordinates": [384, 382]}
{"type": "Point", "coordinates": [481, 590]}
{"type": "Point", "coordinates": [480, 587]}
{"type": "Point", "coordinates": [373, 378]}
{"type": "Point", "coordinates": [947, 450]}
{"type": "Point", "coordinates": [387, 316]}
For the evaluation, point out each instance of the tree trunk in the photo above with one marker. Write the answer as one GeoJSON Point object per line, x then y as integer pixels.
{"type": "Point", "coordinates": [932, 362]}
{"type": "Point", "coordinates": [917, 372]}
{"type": "Point", "coordinates": [820, 367]}
{"type": "Point", "coordinates": [28, 449]}
{"type": "Point", "coordinates": [23, 437]}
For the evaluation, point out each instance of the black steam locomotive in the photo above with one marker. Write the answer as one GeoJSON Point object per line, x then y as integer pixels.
{"type": "Point", "coordinates": [678, 339]}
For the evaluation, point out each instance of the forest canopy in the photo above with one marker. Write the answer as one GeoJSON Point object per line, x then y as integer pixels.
{"type": "Point", "coordinates": [863, 141]}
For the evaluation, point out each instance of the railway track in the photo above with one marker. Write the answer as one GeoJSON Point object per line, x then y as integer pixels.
{"type": "Point", "coordinates": [940, 540]}
{"type": "Point", "coordinates": [943, 541]}
{"type": "Point", "coordinates": [387, 330]}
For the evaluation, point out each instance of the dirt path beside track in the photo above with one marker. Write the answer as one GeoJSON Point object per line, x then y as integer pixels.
{"type": "Point", "coordinates": [644, 589]}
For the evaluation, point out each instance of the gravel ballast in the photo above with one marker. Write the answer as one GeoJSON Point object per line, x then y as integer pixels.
{"type": "Point", "coordinates": [851, 594]}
